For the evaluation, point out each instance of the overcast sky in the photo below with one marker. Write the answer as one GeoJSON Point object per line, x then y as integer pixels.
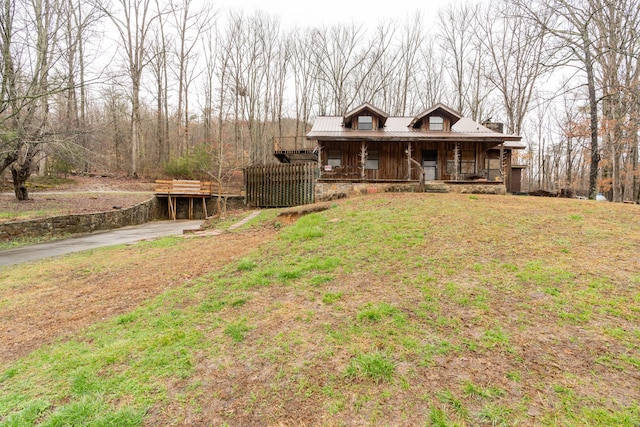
{"type": "Point", "coordinates": [326, 12]}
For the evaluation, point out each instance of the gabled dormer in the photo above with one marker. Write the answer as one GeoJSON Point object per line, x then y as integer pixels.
{"type": "Point", "coordinates": [365, 117]}
{"type": "Point", "coordinates": [438, 118]}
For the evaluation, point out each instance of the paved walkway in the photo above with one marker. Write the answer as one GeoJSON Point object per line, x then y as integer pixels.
{"type": "Point", "coordinates": [217, 231]}
{"type": "Point", "coordinates": [245, 220]}
{"type": "Point", "coordinates": [119, 236]}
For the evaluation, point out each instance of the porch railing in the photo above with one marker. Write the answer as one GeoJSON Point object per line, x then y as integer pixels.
{"type": "Point", "coordinates": [292, 143]}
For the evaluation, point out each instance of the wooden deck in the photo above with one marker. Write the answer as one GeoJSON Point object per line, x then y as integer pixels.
{"type": "Point", "coordinates": [190, 189]}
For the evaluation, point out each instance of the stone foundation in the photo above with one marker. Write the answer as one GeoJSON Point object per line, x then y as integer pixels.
{"type": "Point", "coordinates": [476, 187]}
{"type": "Point", "coordinates": [335, 190]}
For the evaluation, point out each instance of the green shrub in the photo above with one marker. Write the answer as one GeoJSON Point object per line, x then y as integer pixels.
{"type": "Point", "coordinates": [192, 166]}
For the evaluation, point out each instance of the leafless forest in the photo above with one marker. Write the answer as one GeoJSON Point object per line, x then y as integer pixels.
{"type": "Point", "coordinates": [153, 88]}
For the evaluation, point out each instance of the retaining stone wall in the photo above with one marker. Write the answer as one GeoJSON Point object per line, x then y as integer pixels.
{"type": "Point", "coordinates": [81, 224]}
{"type": "Point", "coordinates": [477, 188]}
{"type": "Point", "coordinates": [144, 212]}
{"type": "Point", "coordinates": [335, 190]}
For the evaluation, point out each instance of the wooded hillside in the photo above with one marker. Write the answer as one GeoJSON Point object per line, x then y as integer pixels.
{"type": "Point", "coordinates": [154, 88]}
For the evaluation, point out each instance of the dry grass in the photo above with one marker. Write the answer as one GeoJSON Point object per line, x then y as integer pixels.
{"type": "Point", "coordinates": [53, 299]}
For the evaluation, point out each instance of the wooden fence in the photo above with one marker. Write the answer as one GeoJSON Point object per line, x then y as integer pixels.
{"type": "Point", "coordinates": [275, 186]}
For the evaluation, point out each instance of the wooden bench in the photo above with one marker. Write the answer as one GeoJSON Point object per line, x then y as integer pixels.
{"type": "Point", "coordinates": [190, 189]}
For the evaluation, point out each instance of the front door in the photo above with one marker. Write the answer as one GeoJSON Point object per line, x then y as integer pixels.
{"type": "Point", "coordinates": [430, 164]}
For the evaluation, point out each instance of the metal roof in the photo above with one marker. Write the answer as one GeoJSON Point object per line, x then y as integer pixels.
{"type": "Point", "coordinates": [399, 129]}
{"type": "Point", "coordinates": [453, 115]}
{"type": "Point", "coordinates": [382, 116]}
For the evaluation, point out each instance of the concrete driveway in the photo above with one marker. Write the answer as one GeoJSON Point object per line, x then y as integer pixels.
{"type": "Point", "coordinates": [123, 235]}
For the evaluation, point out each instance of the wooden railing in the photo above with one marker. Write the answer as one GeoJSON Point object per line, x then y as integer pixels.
{"type": "Point", "coordinates": [174, 188]}
{"type": "Point", "coordinates": [184, 187]}
{"type": "Point", "coordinates": [292, 144]}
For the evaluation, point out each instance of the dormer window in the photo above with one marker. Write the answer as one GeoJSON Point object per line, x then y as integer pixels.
{"type": "Point", "coordinates": [365, 117]}
{"type": "Point", "coordinates": [436, 123]}
{"type": "Point", "coordinates": [365, 123]}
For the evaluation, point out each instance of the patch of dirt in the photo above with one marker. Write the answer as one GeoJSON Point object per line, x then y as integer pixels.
{"type": "Point", "coordinates": [61, 300]}
{"type": "Point", "coordinates": [291, 215]}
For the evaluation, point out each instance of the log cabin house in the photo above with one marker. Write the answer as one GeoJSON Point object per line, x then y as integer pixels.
{"type": "Point", "coordinates": [367, 145]}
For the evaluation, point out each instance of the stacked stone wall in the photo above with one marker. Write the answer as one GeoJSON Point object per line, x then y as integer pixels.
{"type": "Point", "coordinates": [64, 225]}
{"type": "Point", "coordinates": [335, 190]}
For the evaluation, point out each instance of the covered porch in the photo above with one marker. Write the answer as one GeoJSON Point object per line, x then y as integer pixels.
{"type": "Point", "coordinates": [414, 161]}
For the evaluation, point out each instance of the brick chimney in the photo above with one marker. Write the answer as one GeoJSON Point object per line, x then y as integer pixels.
{"type": "Point", "coordinates": [496, 127]}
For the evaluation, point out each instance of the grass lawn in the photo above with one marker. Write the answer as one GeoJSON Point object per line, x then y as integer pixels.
{"type": "Point", "coordinates": [409, 309]}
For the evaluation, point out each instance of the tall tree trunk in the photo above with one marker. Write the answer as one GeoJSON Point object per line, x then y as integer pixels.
{"type": "Point", "coordinates": [135, 127]}
{"type": "Point", "coordinates": [593, 119]}
{"type": "Point", "coordinates": [20, 173]}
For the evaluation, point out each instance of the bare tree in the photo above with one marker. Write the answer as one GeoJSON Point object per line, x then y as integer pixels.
{"type": "Point", "coordinates": [373, 79]}
{"type": "Point", "coordinates": [80, 18]}
{"type": "Point", "coordinates": [412, 37]}
{"type": "Point", "coordinates": [617, 26]}
{"type": "Point", "coordinates": [158, 53]}
{"type": "Point", "coordinates": [281, 69]}
{"type": "Point", "coordinates": [339, 57]}
{"type": "Point", "coordinates": [467, 62]}
{"type": "Point", "coordinates": [575, 131]}
{"type": "Point", "coordinates": [304, 73]}
{"type": "Point", "coordinates": [571, 23]}
{"type": "Point", "coordinates": [30, 50]}
{"type": "Point", "coordinates": [233, 45]}
{"type": "Point", "coordinates": [429, 84]}
{"type": "Point", "coordinates": [189, 25]}
{"type": "Point", "coordinates": [518, 55]}
{"type": "Point", "coordinates": [133, 23]}
{"type": "Point", "coordinates": [252, 46]}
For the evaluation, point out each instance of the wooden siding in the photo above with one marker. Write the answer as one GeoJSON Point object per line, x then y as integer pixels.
{"type": "Point", "coordinates": [392, 159]}
{"type": "Point", "coordinates": [446, 123]}
{"type": "Point", "coordinates": [374, 121]}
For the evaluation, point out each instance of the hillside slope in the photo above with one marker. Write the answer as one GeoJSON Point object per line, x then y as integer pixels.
{"type": "Point", "coordinates": [409, 309]}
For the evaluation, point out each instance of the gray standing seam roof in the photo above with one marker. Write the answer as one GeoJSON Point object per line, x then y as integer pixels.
{"type": "Point", "coordinates": [397, 129]}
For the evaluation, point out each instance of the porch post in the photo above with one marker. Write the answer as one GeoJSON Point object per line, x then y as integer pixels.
{"type": "Point", "coordinates": [456, 162]}
{"type": "Point", "coordinates": [363, 159]}
{"type": "Point", "coordinates": [502, 163]}
{"type": "Point", "coordinates": [409, 149]}
{"type": "Point", "coordinates": [319, 152]}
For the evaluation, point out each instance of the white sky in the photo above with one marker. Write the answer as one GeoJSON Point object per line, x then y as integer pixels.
{"type": "Point", "coordinates": [310, 13]}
